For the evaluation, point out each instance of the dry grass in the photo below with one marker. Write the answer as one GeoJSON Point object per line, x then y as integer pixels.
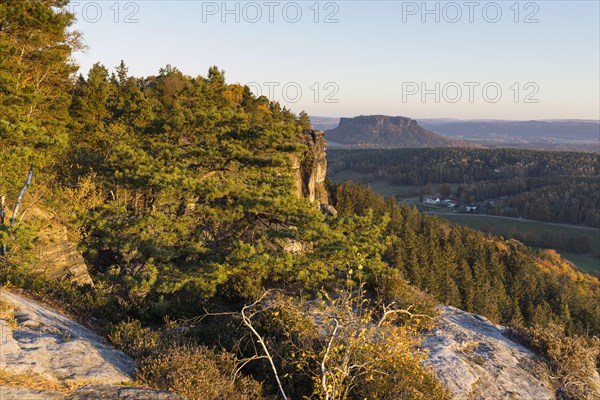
{"type": "Point", "coordinates": [7, 313]}
{"type": "Point", "coordinates": [31, 380]}
{"type": "Point", "coordinates": [570, 359]}
{"type": "Point", "coordinates": [35, 381]}
{"type": "Point", "coordinates": [469, 350]}
{"type": "Point", "coordinates": [469, 347]}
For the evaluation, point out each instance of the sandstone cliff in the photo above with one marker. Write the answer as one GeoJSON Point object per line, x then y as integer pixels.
{"type": "Point", "coordinates": [57, 255]}
{"type": "Point", "coordinates": [311, 167]}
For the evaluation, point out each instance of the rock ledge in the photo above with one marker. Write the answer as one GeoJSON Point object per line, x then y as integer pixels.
{"type": "Point", "coordinates": [475, 360]}
{"type": "Point", "coordinates": [47, 347]}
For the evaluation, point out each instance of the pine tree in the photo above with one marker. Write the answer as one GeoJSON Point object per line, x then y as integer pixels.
{"type": "Point", "coordinates": [35, 60]}
{"type": "Point", "coordinates": [36, 45]}
{"type": "Point", "coordinates": [304, 120]}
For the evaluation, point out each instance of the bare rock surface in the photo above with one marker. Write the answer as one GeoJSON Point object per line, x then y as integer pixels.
{"type": "Point", "coordinates": [19, 393]}
{"type": "Point", "coordinates": [51, 345]}
{"type": "Point", "coordinates": [475, 360]}
{"type": "Point", "coordinates": [52, 348]}
{"type": "Point", "coordinates": [310, 170]}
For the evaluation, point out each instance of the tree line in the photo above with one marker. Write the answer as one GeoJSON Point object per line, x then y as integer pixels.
{"type": "Point", "coordinates": [560, 187]}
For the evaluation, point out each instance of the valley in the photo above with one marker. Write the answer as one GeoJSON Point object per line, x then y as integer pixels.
{"type": "Point", "coordinates": [479, 196]}
{"type": "Point", "coordinates": [549, 135]}
{"type": "Point", "coordinates": [503, 226]}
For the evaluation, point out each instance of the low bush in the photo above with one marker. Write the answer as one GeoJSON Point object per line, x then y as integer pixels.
{"type": "Point", "coordinates": [393, 288]}
{"type": "Point", "coordinates": [131, 338]}
{"type": "Point", "coordinates": [7, 313]}
{"type": "Point", "coordinates": [571, 359]}
{"type": "Point", "coordinates": [198, 373]}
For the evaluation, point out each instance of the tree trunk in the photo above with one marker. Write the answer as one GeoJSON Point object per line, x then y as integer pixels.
{"type": "Point", "coordinates": [2, 213]}
{"type": "Point", "coordinates": [2, 208]}
{"type": "Point", "coordinates": [15, 214]}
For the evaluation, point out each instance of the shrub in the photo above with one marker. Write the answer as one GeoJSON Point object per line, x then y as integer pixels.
{"type": "Point", "coordinates": [197, 372]}
{"type": "Point", "coordinates": [94, 305]}
{"type": "Point", "coordinates": [348, 349]}
{"type": "Point", "coordinates": [393, 288]}
{"type": "Point", "coordinates": [7, 313]}
{"type": "Point", "coordinates": [571, 358]}
{"type": "Point", "coordinates": [134, 340]}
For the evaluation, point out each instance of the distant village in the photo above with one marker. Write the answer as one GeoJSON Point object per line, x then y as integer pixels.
{"type": "Point", "coordinates": [440, 201]}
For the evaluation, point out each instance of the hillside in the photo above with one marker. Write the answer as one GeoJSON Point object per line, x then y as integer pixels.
{"type": "Point", "coordinates": [383, 131]}
{"type": "Point", "coordinates": [577, 129]}
{"type": "Point", "coordinates": [555, 135]}
{"type": "Point", "coordinates": [189, 222]}
{"type": "Point", "coordinates": [50, 356]}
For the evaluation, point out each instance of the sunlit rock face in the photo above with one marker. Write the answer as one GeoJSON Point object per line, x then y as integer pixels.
{"type": "Point", "coordinates": [310, 169]}
{"type": "Point", "coordinates": [56, 253]}
{"type": "Point", "coordinates": [475, 360]}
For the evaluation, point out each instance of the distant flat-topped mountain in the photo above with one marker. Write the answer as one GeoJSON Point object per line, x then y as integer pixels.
{"type": "Point", "coordinates": [384, 131]}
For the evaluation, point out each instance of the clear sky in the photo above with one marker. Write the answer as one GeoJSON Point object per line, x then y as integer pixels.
{"type": "Point", "coordinates": [463, 59]}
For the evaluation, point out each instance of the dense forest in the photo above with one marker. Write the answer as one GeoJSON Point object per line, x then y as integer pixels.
{"type": "Point", "coordinates": [559, 187]}
{"type": "Point", "coordinates": [181, 193]}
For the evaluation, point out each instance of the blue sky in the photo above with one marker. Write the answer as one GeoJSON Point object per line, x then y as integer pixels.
{"type": "Point", "coordinates": [479, 59]}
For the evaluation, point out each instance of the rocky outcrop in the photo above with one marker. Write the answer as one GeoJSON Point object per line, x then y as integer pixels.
{"type": "Point", "coordinates": [57, 255]}
{"type": "Point", "coordinates": [311, 167]}
{"type": "Point", "coordinates": [50, 356]}
{"type": "Point", "coordinates": [329, 210]}
{"type": "Point", "coordinates": [50, 345]}
{"type": "Point", "coordinates": [475, 360]}
{"type": "Point", "coordinates": [373, 131]}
